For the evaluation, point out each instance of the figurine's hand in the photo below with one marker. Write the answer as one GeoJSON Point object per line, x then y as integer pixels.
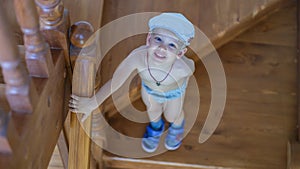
{"type": "Point", "coordinates": [84, 105]}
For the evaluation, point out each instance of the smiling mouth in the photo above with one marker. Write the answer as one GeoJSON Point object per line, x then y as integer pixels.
{"type": "Point", "coordinates": [159, 56]}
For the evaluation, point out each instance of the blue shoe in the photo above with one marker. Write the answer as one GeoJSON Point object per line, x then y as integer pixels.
{"type": "Point", "coordinates": [174, 137]}
{"type": "Point", "coordinates": [151, 138]}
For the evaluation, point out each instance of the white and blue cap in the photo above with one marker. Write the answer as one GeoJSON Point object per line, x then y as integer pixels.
{"type": "Point", "coordinates": [176, 23]}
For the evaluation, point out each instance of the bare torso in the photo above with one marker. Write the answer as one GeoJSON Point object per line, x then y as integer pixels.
{"type": "Point", "coordinates": [171, 77]}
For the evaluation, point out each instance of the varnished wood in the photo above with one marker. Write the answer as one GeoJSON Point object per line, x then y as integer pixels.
{"type": "Point", "coordinates": [20, 92]}
{"type": "Point", "coordinates": [79, 146]}
{"type": "Point", "coordinates": [38, 56]}
{"type": "Point", "coordinates": [261, 111]}
{"type": "Point", "coordinates": [50, 12]}
{"type": "Point", "coordinates": [98, 137]}
{"type": "Point", "coordinates": [62, 145]}
{"type": "Point", "coordinates": [83, 85]}
{"type": "Point", "coordinates": [39, 131]}
{"type": "Point", "coordinates": [246, 21]}
{"type": "Point", "coordinates": [55, 23]}
{"type": "Point", "coordinates": [31, 137]}
{"type": "Point", "coordinates": [241, 85]}
{"type": "Point", "coordinates": [293, 155]}
{"type": "Point", "coordinates": [56, 161]}
{"type": "Point", "coordinates": [224, 28]}
{"type": "Point", "coordinates": [293, 148]}
{"type": "Point", "coordinates": [80, 32]}
{"type": "Point", "coordinates": [84, 11]}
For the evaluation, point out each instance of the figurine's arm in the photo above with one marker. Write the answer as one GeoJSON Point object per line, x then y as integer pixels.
{"type": "Point", "coordinates": [86, 105]}
{"type": "Point", "coordinates": [119, 77]}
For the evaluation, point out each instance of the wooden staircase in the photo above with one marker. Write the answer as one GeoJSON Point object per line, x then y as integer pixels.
{"type": "Point", "coordinates": [257, 125]}
{"type": "Point", "coordinates": [258, 129]}
{"type": "Point", "coordinates": [260, 117]}
{"type": "Point", "coordinates": [33, 84]}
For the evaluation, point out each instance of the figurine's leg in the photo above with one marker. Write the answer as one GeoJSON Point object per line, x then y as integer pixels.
{"type": "Point", "coordinates": [173, 111]}
{"type": "Point", "coordinates": [174, 114]}
{"type": "Point", "coordinates": [156, 128]}
{"type": "Point", "coordinates": [154, 109]}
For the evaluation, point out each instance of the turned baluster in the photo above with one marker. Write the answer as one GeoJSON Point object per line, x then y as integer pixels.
{"type": "Point", "coordinates": [54, 25]}
{"type": "Point", "coordinates": [19, 91]}
{"type": "Point", "coordinates": [50, 12]}
{"type": "Point", "coordinates": [38, 57]}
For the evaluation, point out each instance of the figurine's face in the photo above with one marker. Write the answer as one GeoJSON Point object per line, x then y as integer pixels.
{"type": "Point", "coordinates": [164, 46]}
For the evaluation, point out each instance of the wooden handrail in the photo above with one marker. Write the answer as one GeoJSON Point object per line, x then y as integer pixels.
{"type": "Point", "coordinates": [38, 57]}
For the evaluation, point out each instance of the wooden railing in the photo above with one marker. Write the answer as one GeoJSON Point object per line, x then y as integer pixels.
{"type": "Point", "coordinates": [32, 108]}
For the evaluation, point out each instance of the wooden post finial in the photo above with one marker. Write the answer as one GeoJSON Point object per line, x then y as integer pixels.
{"type": "Point", "coordinates": [80, 32]}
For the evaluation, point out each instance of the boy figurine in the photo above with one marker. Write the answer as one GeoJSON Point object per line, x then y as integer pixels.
{"type": "Point", "coordinates": [164, 71]}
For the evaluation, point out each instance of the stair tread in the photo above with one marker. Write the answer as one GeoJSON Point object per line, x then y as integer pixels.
{"type": "Point", "coordinates": [257, 123]}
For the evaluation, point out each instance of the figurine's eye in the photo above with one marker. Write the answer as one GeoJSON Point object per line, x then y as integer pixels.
{"type": "Point", "coordinates": [157, 39]}
{"type": "Point", "coordinates": [173, 46]}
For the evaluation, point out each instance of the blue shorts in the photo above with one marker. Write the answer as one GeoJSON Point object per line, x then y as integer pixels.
{"type": "Point", "coordinates": [162, 97]}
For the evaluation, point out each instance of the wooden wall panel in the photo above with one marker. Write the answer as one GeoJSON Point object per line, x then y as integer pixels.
{"type": "Point", "coordinates": [260, 113]}
{"type": "Point", "coordinates": [88, 10]}
{"type": "Point", "coordinates": [213, 17]}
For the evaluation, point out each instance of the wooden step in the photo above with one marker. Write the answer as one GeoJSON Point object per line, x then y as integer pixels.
{"type": "Point", "coordinates": [260, 116]}
{"type": "Point", "coordinates": [121, 162]}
